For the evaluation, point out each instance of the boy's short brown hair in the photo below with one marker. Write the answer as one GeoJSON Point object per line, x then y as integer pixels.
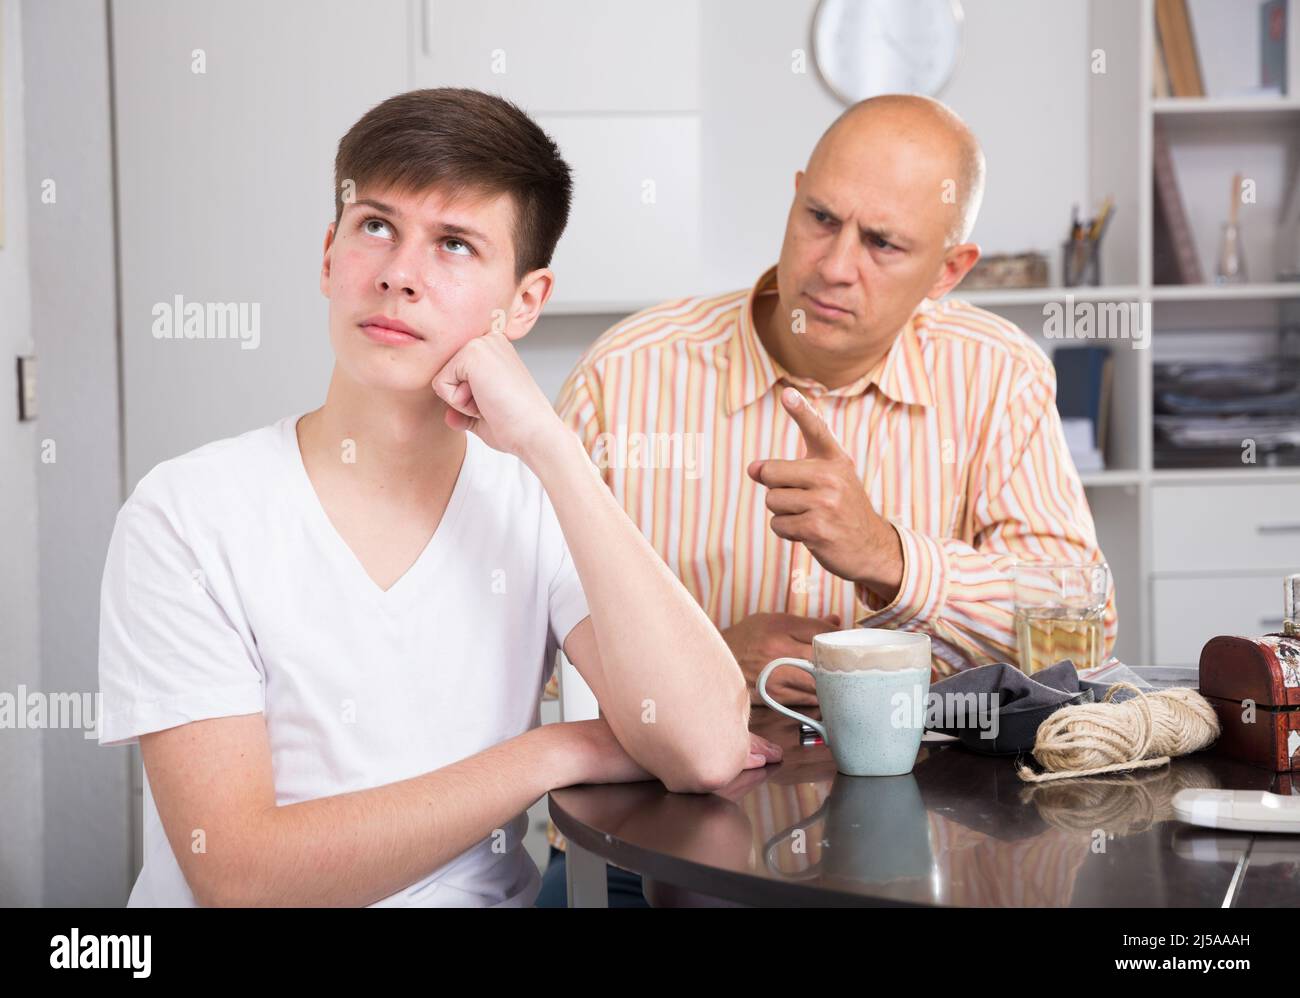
{"type": "Point", "coordinates": [462, 141]}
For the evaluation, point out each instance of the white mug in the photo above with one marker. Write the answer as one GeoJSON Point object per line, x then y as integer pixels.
{"type": "Point", "coordinates": [869, 682]}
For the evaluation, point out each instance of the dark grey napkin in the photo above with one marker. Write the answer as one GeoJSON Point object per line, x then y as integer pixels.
{"type": "Point", "coordinates": [1021, 703]}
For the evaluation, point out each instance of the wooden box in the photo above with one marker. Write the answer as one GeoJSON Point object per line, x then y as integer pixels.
{"type": "Point", "coordinates": [1236, 672]}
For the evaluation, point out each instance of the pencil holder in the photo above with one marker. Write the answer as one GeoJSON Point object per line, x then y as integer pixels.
{"type": "Point", "coordinates": [1081, 263]}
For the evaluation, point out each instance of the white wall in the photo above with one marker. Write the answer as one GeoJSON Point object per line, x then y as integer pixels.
{"type": "Point", "coordinates": [760, 121]}
{"type": "Point", "coordinates": [1227, 45]}
{"type": "Point", "coordinates": [21, 841]}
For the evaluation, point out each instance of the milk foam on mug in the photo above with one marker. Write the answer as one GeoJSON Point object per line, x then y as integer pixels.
{"type": "Point", "coordinates": [869, 681]}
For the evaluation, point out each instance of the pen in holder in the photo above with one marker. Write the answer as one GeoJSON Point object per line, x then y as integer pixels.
{"type": "Point", "coordinates": [1081, 253]}
{"type": "Point", "coordinates": [1081, 263]}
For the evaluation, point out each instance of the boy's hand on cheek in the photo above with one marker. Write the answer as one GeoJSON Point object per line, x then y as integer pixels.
{"type": "Point", "coordinates": [489, 391]}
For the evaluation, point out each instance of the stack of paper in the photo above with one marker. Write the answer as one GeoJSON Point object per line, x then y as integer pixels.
{"type": "Point", "coordinates": [1079, 437]}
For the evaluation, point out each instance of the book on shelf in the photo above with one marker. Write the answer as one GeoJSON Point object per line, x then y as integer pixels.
{"type": "Point", "coordinates": [1159, 74]}
{"type": "Point", "coordinates": [1288, 234]}
{"type": "Point", "coordinates": [1078, 441]}
{"type": "Point", "coordinates": [1176, 42]}
{"type": "Point", "coordinates": [1272, 45]}
{"type": "Point", "coordinates": [1083, 388]}
{"type": "Point", "coordinates": [1175, 260]}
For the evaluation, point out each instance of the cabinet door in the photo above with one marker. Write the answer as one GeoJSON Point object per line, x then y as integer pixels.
{"type": "Point", "coordinates": [225, 182]}
{"type": "Point", "coordinates": [634, 231]}
{"type": "Point", "coordinates": [1190, 611]}
{"type": "Point", "coordinates": [1226, 527]}
{"type": "Point", "coordinates": [569, 56]}
{"type": "Point", "coordinates": [617, 86]}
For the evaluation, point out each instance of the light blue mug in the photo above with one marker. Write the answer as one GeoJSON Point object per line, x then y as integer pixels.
{"type": "Point", "coordinates": [872, 686]}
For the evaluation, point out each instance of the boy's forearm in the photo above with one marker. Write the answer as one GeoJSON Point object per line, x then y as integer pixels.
{"type": "Point", "coordinates": [360, 847]}
{"type": "Point", "coordinates": [674, 696]}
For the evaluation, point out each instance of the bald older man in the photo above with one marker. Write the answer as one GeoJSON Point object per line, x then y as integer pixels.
{"type": "Point", "coordinates": [836, 446]}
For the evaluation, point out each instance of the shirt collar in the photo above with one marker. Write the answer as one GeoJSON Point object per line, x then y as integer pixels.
{"type": "Point", "coordinates": [901, 374]}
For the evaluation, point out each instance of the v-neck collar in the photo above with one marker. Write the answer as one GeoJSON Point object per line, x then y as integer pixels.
{"type": "Point", "coordinates": [408, 586]}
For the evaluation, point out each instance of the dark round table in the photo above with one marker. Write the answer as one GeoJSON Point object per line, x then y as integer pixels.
{"type": "Point", "coordinates": [961, 829]}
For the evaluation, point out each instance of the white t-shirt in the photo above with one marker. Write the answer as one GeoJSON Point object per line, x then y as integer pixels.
{"type": "Point", "coordinates": [227, 591]}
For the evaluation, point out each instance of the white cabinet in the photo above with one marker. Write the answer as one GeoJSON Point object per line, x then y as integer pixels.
{"type": "Point", "coordinates": [1190, 611]}
{"type": "Point", "coordinates": [627, 57]}
{"type": "Point", "coordinates": [225, 181]}
{"type": "Point", "coordinates": [1226, 527]}
{"type": "Point", "coordinates": [621, 98]}
{"type": "Point", "coordinates": [1219, 552]}
{"type": "Point", "coordinates": [634, 233]}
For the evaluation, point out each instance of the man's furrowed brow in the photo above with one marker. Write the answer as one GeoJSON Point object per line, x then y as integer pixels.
{"type": "Point", "coordinates": [885, 235]}
{"type": "Point", "coordinates": [881, 232]}
{"type": "Point", "coordinates": [816, 205]}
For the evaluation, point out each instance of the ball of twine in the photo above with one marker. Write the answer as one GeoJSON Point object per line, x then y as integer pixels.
{"type": "Point", "coordinates": [1142, 732]}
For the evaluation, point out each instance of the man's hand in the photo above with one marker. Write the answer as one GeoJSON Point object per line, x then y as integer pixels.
{"type": "Point", "coordinates": [819, 501]}
{"type": "Point", "coordinates": [490, 392]}
{"type": "Point", "coordinates": [762, 637]}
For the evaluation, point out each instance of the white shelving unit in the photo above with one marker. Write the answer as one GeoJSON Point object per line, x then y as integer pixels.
{"type": "Point", "coordinates": [1195, 552]}
{"type": "Point", "coordinates": [993, 298]}
{"type": "Point", "coordinates": [1209, 107]}
{"type": "Point", "coordinates": [1226, 292]}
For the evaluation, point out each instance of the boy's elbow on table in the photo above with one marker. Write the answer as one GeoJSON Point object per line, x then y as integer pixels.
{"type": "Point", "coordinates": [705, 773]}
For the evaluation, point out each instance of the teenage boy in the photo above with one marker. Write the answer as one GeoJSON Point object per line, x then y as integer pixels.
{"type": "Point", "coordinates": [329, 635]}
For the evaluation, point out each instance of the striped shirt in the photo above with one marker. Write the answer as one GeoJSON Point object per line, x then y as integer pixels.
{"type": "Point", "coordinates": [955, 434]}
